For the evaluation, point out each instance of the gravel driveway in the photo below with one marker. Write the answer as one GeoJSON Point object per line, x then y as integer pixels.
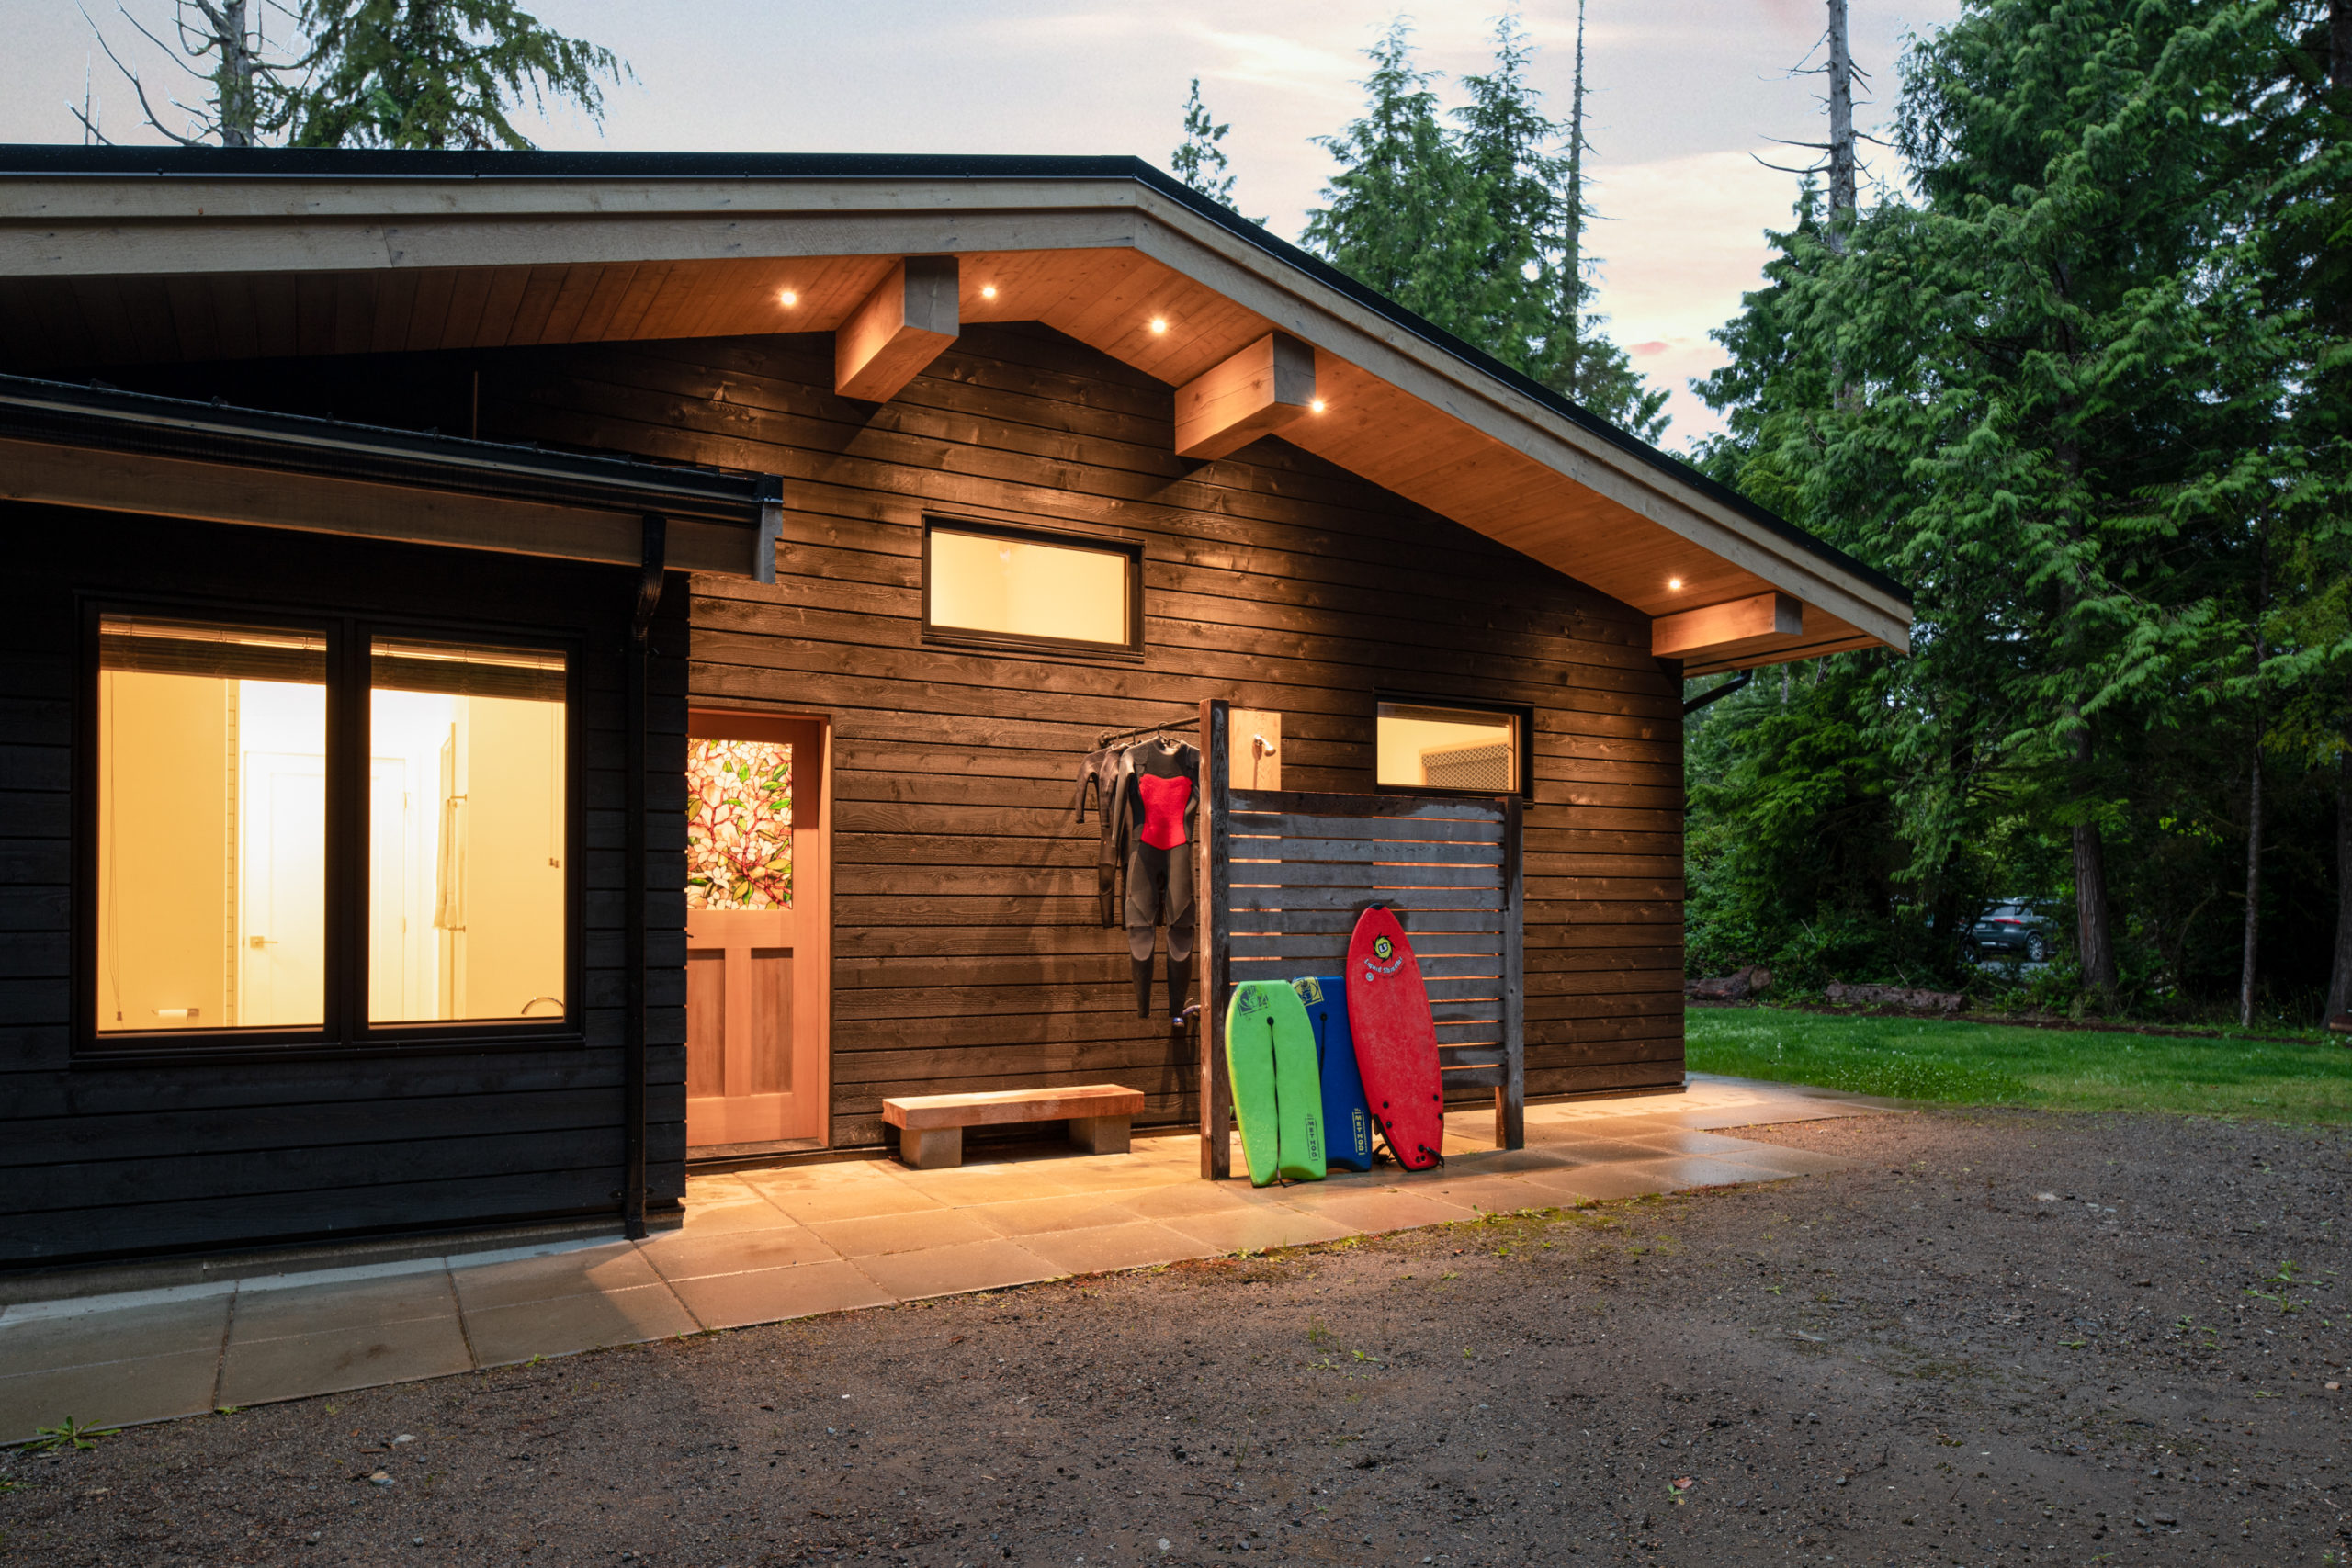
{"type": "Point", "coordinates": [2009, 1337]}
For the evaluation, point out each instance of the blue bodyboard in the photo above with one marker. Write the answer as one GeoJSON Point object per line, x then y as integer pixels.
{"type": "Point", "coordinates": [1347, 1117]}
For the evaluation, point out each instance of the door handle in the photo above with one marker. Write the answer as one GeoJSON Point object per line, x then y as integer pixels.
{"type": "Point", "coordinates": [261, 941]}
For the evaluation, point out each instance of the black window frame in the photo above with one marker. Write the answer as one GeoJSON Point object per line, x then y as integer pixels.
{"type": "Point", "coordinates": [346, 1031]}
{"type": "Point", "coordinates": [1010, 642]}
{"type": "Point", "coordinates": [1524, 744]}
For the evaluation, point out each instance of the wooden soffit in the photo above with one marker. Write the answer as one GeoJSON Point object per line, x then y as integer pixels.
{"type": "Point", "coordinates": [99, 271]}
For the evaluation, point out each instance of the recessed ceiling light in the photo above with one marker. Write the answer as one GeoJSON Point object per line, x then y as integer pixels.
{"type": "Point", "coordinates": [1160, 323]}
{"type": "Point", "coordinates": [988, 290]}
{"type": "Point", "coordinates": [1317, 405]}
{"type": "Point", "coordinates": [1674, 583]}
{"type": "Point", "coordinates": [789, 297]}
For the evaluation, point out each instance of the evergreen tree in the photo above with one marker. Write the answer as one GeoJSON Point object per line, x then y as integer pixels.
{"type": "Point", "coordinates": [1474, 228]}
{"type": "Point", "coordinates": [2048, 393]}
{"type": "Point", "coordinates": [1198, 161]}
{"type": "Point", "coordinates": [436, 74]}
{"type": "Point", "coordinates": [1407, 214]}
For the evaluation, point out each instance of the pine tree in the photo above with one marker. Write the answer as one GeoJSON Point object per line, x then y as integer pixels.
{"type": "Point", "coordinates": [438, 74]}
{"type": "Point", "coordinates": [1471, 228]}
{"type": "Point", "coordinates": [1198, 161]}
{"type": "Point", "coordinates": [1407, 214]}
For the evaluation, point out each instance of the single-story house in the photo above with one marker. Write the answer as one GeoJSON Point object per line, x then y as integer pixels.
{"type": "Point", "coordinates": [525, 670]}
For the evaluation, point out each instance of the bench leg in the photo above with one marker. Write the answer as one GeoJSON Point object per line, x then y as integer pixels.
{"type": "Point", "coordinates": [1100, 1134]}
{"type": "Point", "coordinates": [933, 1148]}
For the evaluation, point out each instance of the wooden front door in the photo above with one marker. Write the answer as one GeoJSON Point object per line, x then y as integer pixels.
{"type": "Point", "coordinates": [758, 930]}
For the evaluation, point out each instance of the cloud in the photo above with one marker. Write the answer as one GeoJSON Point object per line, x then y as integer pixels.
{"type": "Point", "coordinates": [1684, 241]}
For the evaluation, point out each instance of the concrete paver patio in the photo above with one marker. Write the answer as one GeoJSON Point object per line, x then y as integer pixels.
{"type": "Point", "coordinates": [764, 1246]}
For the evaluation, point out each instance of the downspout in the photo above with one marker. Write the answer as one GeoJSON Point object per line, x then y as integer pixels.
{"type": "Point", "coordinates": [648, 599]}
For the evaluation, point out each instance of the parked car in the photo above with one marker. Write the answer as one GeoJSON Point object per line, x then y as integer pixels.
{"type": "Point", "coordinates": [2013, 929]}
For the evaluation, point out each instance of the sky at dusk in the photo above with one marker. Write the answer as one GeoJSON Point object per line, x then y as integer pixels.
{"type": "Point", "coordinates": [1683, 94]}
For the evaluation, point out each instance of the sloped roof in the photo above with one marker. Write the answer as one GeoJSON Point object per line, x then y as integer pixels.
{"type": "Point", "coordinates": [119, 254]}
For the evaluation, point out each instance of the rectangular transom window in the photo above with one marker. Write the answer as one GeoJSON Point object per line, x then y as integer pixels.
{"type": "Point", "coordinates": [1010, 586]}
{"type": "Point", "coordinates": [314, 835]}
{"type": "Point", "coordinates": [1427, 746]}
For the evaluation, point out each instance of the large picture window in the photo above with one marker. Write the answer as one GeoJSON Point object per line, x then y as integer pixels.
{"type": "Point", "coordinates": [325, 835]}
{"type": "Point", "coordinates": [1012, 587]}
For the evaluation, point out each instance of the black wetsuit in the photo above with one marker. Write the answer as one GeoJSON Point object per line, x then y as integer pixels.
{"type": "Point", "coordinates": [1158, 802]}
{"type": "Point", "coordinates": [1102, 773]}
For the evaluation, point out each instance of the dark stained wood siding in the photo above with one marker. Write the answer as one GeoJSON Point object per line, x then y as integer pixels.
{"type": "Point", "coordinates": [967, 951]}
{"type": "Point", "coordinates": [100, 1161]}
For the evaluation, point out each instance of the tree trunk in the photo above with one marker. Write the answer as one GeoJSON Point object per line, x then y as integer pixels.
{"type": "Point", "coordinates": [240, 110]}
{"type": "Point", "coordinates": [2339, 42]}
{"type": "Point", "coordinates": [2254, 800]}
{"type": "Point", "coordinates": [2339, 979]}
{"type": "Point", "coordinates": [2253, 886]}
{"type": "Point", "coordinates": [1842, 178]}
{"type": "Point", "coordinates": [2094, 936]}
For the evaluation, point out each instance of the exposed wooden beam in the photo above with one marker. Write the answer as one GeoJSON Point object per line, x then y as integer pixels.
{"type": "Point", "coordinates": [1257, 393]}
{"type": "Point", "coordinates": [1715, 630]}
{"type": "Point", "coordinates": [906, 323]}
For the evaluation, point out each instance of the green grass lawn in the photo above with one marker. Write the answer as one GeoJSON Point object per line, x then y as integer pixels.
{"type": "Point", "coordinates": [2051, 1069]}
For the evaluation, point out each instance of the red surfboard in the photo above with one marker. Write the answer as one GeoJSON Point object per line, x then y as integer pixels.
{"type": "Point", "coordinates": [1388, 1009]}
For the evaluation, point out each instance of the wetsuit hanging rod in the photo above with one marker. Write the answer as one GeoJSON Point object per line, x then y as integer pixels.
{"type": "Point", "coordinates": [1190, 722]}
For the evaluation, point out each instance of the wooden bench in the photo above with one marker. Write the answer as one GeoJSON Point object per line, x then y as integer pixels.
{"type": "Point", "coordinates": [931, 1126]}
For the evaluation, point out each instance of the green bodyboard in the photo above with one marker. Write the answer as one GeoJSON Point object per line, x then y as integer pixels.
{"type": "Point", "coordinates": [1277, 1084]}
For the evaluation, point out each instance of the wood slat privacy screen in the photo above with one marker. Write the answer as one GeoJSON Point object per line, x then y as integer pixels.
{"type": "Point", "coordinates": [1288, 872]}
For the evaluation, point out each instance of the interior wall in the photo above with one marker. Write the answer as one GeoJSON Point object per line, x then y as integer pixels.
{"type": "Point", "coordinates": [967, 954]}
{"type": "Point", "coordinates": [167, 931]}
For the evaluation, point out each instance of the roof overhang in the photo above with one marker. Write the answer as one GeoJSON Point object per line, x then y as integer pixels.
{"type": "Point", "coordinates": [72, 446]}
{"type": "Point", "coordinates": [117, 255]}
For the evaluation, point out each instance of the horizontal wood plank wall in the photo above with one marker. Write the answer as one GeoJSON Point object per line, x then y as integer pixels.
{"type": "Point", "coordinates": [118, 1159]}
{"type": "Point", "coordinates": [967, 955]}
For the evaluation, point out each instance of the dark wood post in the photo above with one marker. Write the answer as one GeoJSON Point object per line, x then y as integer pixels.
{"type": "Point", "coordinates": [1510, 1100]}
{"type": "Point", "coordinates": [1216, 894]}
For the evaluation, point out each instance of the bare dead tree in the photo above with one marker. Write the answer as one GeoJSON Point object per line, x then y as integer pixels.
{"type": "Point", "coordinates": [220, 43]}
{"type": "Point", "coordinates": [1840, 157]}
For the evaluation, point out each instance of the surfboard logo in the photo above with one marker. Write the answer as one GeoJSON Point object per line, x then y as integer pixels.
{"type": "Point", "coordinates": [1375, 970]}
{"type": "Point", "coordinates": [1363, 1133]}
{"type": "Point", "coordinates": [1384, 948]}
{"type": "Point", "coordinates": [1310, 990]}
{"type": "Point", "coordinates": [1252, 1002]}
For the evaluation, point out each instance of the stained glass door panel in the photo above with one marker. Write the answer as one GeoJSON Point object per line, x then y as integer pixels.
{"type": "Point", "coordinates": [755, 931]}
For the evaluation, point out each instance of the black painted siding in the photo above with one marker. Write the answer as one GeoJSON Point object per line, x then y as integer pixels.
{"type": "Point", "coordinates": [108, 1160]}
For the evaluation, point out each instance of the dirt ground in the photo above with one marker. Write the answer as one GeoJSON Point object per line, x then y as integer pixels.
{"type": "Point", "coordinates": [2009, 1337]}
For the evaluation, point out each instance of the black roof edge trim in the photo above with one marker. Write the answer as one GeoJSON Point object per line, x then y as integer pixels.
{"type": "Point", "coordinates": [77, 414]}
{"type": "Point", "coordinates": [287, 163]}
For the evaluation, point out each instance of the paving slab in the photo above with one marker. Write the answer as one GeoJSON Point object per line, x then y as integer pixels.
{"type": "Point", "coordinates": [565, 1325]}
{"type": "Point", "coordinates": [1373, 1213]}
{"type": "Point", "coordinates": [684, 1257]}
{"type": "Point", "coordinates": [362, 1304]}
{"type": "Point", "coordinates": [1100, 1249]}
{"type": "Point", "coordinates": [953, 1271]}
{"type": "Point", "coordinates": [924, 1230]}
{"type": "Point", "coordinates": [109, 1394]}
{"type": "Point", "coordinates": [585, 1271]}
{"type": "Point", "coordinates": [295, 1366]}
{"type": "Point", "coordinates": [1255, 1229]}
{"type": "Point", "coordinates": [771, 1295]}
{"type": "Point", "coordinates": [1078, 1211]}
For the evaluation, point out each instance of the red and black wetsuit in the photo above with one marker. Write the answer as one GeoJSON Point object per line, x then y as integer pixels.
{"type": "Point", "coordinates": [1158, 802]}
